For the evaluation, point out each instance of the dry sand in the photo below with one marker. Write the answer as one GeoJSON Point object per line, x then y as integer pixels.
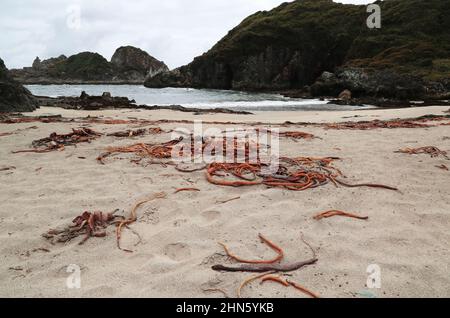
{"type": "Point", "coordinates": [407, 234]}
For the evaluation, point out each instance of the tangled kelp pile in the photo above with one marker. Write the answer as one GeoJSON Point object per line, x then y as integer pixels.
{"type": "Point", "coordinates": [95, 225]}
{"type": "Point", "coordinates": [419, 122]}
{"type": "Point", "coordinates": [295, 174]}
{"type": "Point", "coordinates": [87, 224]}
{"type": "Point", "coordinates": [376, 124]}
{"type": "Point", "coordinates": [142, 151]}
{"type": "Point", "coordinates": [59, 142]}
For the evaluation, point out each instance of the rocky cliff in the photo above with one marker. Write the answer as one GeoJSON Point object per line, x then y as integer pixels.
{"type": "Point", "coordinates": [128, 65]}
{"type": "Point", "coordinates": [291, 46]}
{"type": "Point", "coordinates": [135, 64]}
{"type": "Point", "coordinates": [13, 96]}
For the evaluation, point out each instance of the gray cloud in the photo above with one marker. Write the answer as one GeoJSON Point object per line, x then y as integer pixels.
{"type": "Point", "coordinates": [174, 31]}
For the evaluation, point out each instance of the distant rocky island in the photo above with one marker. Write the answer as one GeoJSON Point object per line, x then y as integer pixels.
{"type": "Point", "coordinates": [321, 48]}
{"type": "Point", "coordinates": [128, 65]}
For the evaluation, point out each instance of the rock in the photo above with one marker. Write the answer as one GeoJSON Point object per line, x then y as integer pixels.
{"type": "Point", "coordinates": [345, 95]}
{"type": "Point", "coordinates": [327, 77]}
{"type": "Point", "coordinates": [178, 78]}
{"type": "Point", "coordinates": [93, 106]}
{"type": "Point", "coordinates": [87, 102]}
{"type": "Point", "coordinates": [135, 64]}
{"type": "Point", "coordinates": [370, 83]}
{"type": "Point", "coordinates": [327, 85]}
{"type": "Point", "coordinates": [325, 45]}
{"type": "Point", "coordinates": [128, 65]}
{"type": "Point", "coordinates": [13, 96]}
{"type": "Point", "coordinates": [36, 63]}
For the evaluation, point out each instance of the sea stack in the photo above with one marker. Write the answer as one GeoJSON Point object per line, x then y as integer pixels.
{"type": "Point", "coordinates": [132, 63]}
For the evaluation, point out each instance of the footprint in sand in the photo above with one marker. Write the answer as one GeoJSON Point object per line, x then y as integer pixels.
{"type": "Point", "coordinates": [102, 291]}
{"type": "Point", "coordinates": [211, 215]}
{"type": "Point", "coordinates": [178, 251]}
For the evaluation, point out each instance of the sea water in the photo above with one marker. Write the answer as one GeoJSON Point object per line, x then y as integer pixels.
{"type": "Point", "coordinates": [189, 97]}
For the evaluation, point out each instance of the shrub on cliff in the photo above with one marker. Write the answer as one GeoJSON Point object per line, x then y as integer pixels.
{"type": "Point", "coordinates": [293, 44]}
{"type": "Point", "coordinates": [85, 66]}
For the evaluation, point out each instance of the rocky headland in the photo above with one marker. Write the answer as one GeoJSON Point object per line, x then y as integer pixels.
{"type": "Point", "coordinates": [13, 96]}
{"type": "Point", "coordinates": [317, 48]}
{"type": "Point", "coordinates": [128, 65]}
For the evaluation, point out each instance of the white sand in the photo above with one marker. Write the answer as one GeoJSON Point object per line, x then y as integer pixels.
{"type": "Point", "coordinates": [407, 234]}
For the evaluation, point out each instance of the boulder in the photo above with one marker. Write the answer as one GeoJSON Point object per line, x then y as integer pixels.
{"type": "Point", "coordinates": [13, 96]}
{"type": "Point", "coordinates": [370, 83]}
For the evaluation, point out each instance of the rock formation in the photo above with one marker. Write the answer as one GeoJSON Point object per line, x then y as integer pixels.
{"type": "Point", "coordinates": [135, 64]}
{"type": "Point", "coordinates": [292, 45]}
{"type": "Point", "coordinates": [129, 65]}
{"type": "Point", "coordinates": [13, 96]}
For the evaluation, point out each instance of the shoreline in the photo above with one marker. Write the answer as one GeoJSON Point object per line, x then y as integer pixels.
{"type": "Point", "coordinates": [263, 117]}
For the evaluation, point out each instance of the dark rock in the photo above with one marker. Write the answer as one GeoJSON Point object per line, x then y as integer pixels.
{"type": "Point", "coordinates": [375, 83]}
{"type": "Point", "coordinates": [129, 65]}
{"type": "Point", "coordinates": [177, 78]}
{"type": "Point", "coordinates": [198, 111]}
{"type": "Point", "coordinates": [135, 64]}
{"type": "Point", "coordinates": [327, 85]}
{"type": "Point", "coordinates": [86, 102]}
{"type": "Point", "coordinates": [294, 44]}
{"type": "Point", "coordinates": [13, 96]}
{"type": "Point", "coordinates": [84, 95]}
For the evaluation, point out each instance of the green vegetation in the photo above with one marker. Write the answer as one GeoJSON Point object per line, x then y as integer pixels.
{"type": "Point", "coordinates": [84, 66]}
{"type": "Point", "coordinates": [414, 37]}
{"type": "Point", "coordinates": [291, 45]}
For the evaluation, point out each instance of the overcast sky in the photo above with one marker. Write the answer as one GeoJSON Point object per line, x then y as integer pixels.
{"type": "Point", "coordinates": [174, 31]}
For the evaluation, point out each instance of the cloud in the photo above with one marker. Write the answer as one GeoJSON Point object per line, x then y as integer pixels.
{"type": "Point", "coordinates": [174, 31]}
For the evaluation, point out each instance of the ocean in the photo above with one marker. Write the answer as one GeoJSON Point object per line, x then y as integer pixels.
{"type": "Point", "coordinates": [200, 98]}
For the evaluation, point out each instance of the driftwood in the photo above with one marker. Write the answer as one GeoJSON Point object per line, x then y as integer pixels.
{"type": "Point", "coordinates": [262, 268]}
{"type": "Point", "coordinates": [273, 265]}
{"type": "Point", "coordinates": [266, 267]}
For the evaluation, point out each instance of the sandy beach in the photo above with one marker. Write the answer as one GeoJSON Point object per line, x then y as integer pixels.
{"type": "Point", "coordinates": [407, 233]}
